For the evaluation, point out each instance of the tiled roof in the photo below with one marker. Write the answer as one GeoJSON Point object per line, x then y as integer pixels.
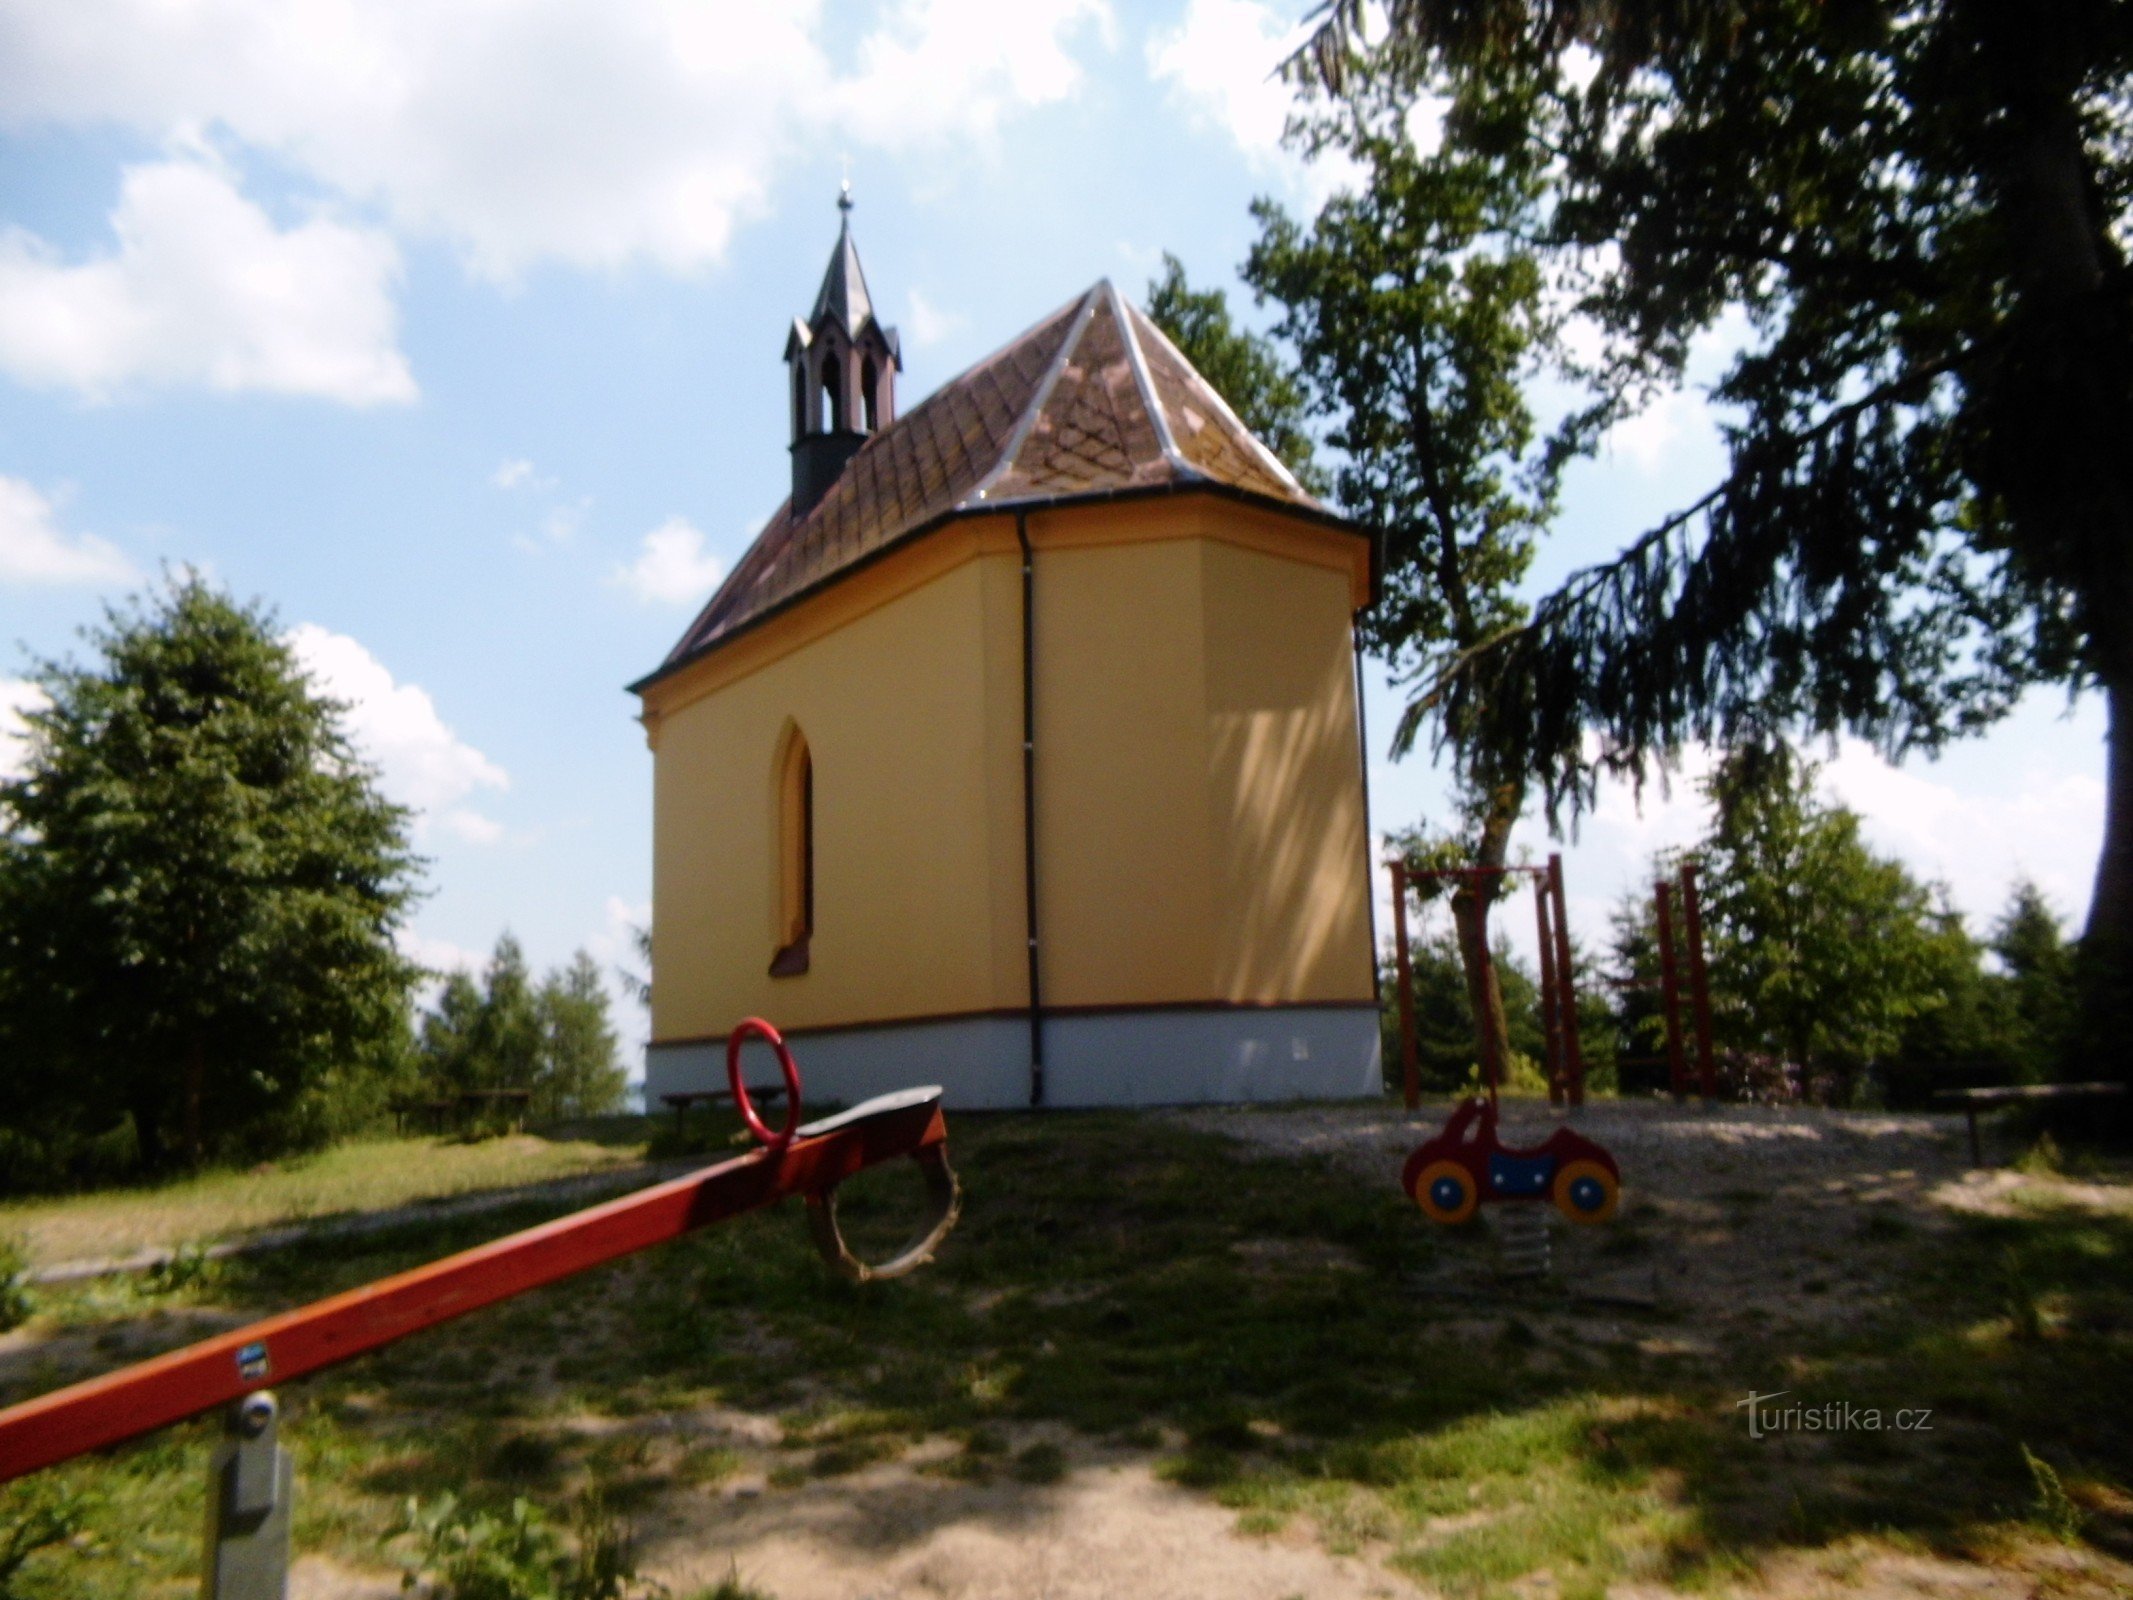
{"type": "Point", "coordinates": [1092, 399]}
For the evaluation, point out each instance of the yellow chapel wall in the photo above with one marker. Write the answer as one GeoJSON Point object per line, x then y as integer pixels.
{"type": "Point", "coordinates": [1288, 825]}
{"type": "Point", "coordinates": [1200, 813]}
{"type": "Point", "coordinates": [1199, 807]}
{"type": "Point", "coordinates": [909, 757]}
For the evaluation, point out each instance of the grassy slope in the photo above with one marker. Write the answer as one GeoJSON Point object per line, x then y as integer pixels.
{"type": "Point", "coordinates": [1267, 1327]}
{"type": "Point", "coordinates": [367, 1175]}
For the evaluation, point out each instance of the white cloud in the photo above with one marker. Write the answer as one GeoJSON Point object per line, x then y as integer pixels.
{"type": "Point", "coordinates": [955, 68]}
{"type": "Point", "coordinates": [203, 289]}
{"type": "Point", "coordinates": [672, 566]}
{"type": "Point", "coordinates": [513, 474]}
{"type": "Point", "coordinates": [16, 698]}
{"type": "Point", "coordinates": [1220, 61]}
{"type": "Point", "coordinates": [1649, 437]}
{"type": "Point", "coordinates": [462, 823]}
{"type": "Point", "coordinates": [33, 549]}
{"type": "Point", "coordinates": [561, 523]}
{"type": "Point", "coordinates": [422, 762]}
{"type": "Point", "coordinates": [1221, 64]}
{"type": "Point", "coordinates": [927, 324]}
{"type": "Point", "coordinates": [594, 132]}
{"type": "Point", "coordinates": [439, 955]}
{"type": "Point", "coordinates": [2048, 829]}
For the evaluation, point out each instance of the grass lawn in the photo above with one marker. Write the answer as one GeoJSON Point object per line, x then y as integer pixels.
{"type": "Point", "coordinates": [1274, 1334]}
{"type": "Point", "coordinates": [367, 1175]}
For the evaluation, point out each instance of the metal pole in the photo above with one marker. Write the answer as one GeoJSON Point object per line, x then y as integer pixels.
{"type": "Point", "coordinates": [1677, 1068]}
{"type": "Point", "coordinates": [1551, 1031]}
{"type": "Point", "coordinates": [1699, 982]}
{"type": "Point", "coordinates": [1566, 980]}
{"type": "Point", "coordinates": [251, 1487]}
{"type": "Point", "coordinates": [1410, 1069]}
{"type": "Point", "coordinates": [1485, 967]}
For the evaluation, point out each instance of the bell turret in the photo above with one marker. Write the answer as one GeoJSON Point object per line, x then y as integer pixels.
{"type": "Point", "coordinates": [843, 365]}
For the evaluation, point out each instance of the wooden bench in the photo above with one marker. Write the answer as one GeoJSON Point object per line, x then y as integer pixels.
{"type": "Point", "coordinates": [432, 1114]}
{"type": "Point", "coordinates": [681, 1101]}
{"type": "Point", "coordinates": [1972, 1101]}
{"type": "Point", "coordinates": [469, 1103]}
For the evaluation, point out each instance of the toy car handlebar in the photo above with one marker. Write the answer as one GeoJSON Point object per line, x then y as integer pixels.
{"type": "Point", "coordinates": [809, 1161]}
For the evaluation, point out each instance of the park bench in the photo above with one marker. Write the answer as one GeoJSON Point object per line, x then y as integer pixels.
{"type": "Point", "coordinates": [684, 1099]}
{"type": "Point", "coordinates": [429, 1114]}
{"type": "Point", "coordinates": [457, 1110]}
{"type": "Point", "coordinates": [470, 1103]}
{"type": "Point", "coordinates": [1972, 1101]}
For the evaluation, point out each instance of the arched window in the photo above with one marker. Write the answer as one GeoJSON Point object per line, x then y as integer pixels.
{"type": "Point", "coordinates": [868, 377]}
{"type": "Point", "coordinates": [796, 854]}
{"type": "Point", "coordinates": [834, 395]}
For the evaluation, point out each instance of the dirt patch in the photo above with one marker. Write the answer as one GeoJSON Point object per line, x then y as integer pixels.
{"type": "Point", "coordinates": [892, 1533]}
{"type": "Point", "coordinates": [1732, 1217]}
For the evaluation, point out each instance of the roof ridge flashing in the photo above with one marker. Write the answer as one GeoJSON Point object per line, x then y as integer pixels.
{"type": "Point", "coordinates": [1037, 400]}
{"type": "Point", "coordinates": [1144, 380]}
{"type": "Point", "coordinates": [1198, 379]}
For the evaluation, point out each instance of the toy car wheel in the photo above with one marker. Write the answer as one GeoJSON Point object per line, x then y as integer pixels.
{"type": "Point", "coordinates": [1446, 1193]}
{"type": "Point", "coordinates": [1585, 1191]}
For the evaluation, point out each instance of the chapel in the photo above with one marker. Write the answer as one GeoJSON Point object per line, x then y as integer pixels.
{"type": "Point", "coordinates": [1022, 751]}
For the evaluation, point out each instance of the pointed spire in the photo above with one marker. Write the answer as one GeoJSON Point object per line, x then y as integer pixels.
{"type": "Point", "coordinates": [843, 295]}
{"type": "Point", "coordinates": [843, 365]}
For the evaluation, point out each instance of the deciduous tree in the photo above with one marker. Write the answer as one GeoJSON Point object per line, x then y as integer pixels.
{"type": "Point", "coordinates": [1247, 369]}
{"type": "Point", "coordinates": [1918, 212]}
{"type": "Point", "coordinates": [1417, 312]}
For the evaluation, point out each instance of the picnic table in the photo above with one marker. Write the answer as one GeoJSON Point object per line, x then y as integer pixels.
{"type": "Point", "coordinates": [682, 1100]}
{"type": "Point", "coordinates": [460, 1108]}
{"type": "Point", "coordinates": [1972, 1101]}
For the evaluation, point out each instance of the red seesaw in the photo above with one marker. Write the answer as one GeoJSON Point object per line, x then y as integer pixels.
{"type": "Point", "coordinates": [251, 1474]}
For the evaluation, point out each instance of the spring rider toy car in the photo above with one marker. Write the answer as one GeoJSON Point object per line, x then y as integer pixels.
{"type": "Point", "coordinates": [1450, 1175]}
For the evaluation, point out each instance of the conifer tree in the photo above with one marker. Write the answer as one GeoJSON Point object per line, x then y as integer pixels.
{"type": "Point", "coordinates": [199, 887]}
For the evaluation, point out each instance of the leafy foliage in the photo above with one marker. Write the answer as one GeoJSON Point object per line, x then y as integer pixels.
{"type": "Point", "coordinates": [1246, 369]}
{"type": "Point", "coordinates": [506, 1032]}
{"type": "Point", "coordinates": [1417, 311]}
{"type": "Point", "coordinates": [1919, 213]}
{"type": "Point", "coordinates": [1828, 961]}
{"type": "Point", "coordinates": [199, 884]}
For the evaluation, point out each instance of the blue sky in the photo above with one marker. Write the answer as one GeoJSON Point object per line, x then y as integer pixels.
{"type": "Point", "coordinates": [451, 330]}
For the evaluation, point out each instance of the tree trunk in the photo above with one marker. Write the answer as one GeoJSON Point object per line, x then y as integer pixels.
{"type": "Point", "coordinates": [195, 1084]}
{"type": "Point", "coordinates": [1470, 915]}
{"type": "Point", "coordinates": [2107, 942]}
{"type": "Point", "coordinates": [2060, 420]}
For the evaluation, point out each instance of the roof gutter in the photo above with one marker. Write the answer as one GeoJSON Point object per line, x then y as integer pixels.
{"type": "Point", "coordinates": [1149, 491]}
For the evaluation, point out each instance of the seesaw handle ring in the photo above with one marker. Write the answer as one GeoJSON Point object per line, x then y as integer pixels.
{"type": "Point", "coordinates": [944, 1196]}
{"type": "Point", "coordinates": [746, 1107]}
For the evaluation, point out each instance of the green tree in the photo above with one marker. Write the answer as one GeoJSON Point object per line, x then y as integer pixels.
{"type": "Point", "coordinates": [507, 1046]}
{"type": "Point", "coordinates": [1417, 311]}
{"type": "Point", "coordinates": [2036, 984]}
{"type": "Point", "coordinates": [1246, 369]}
{"type": "Point", "coordinates": [199, 886]}
{"type": "Point", "coordinates": [1820, 950]}
{"type": "Point", "coordinates": [581, 1074]}
{"type": "Point", "coordinates": [506, 1032]}
{"type": "Point", "coordinates": [1922, 211]}
{"type": "Point", "coordinates": [446, 1040]}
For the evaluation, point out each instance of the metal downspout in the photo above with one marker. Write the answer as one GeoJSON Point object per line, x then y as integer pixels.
{"type": "Point", "coordinates": [1029, 808]}
{"type": "Point", "coordinates": [1370, 865]}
